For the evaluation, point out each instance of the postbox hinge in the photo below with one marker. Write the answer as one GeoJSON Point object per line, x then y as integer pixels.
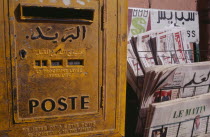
{"type": "Point", "coordinates": [103, 17]}
{"type": "Point", "coordinates": [102, 97]}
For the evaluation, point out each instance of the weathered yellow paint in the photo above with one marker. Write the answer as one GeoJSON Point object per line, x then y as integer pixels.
{"type": "Point", "coordinates": [62, 74]}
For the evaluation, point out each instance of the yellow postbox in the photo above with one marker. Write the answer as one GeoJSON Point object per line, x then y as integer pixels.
{"type": "Point", "coordinates": [62, 68]}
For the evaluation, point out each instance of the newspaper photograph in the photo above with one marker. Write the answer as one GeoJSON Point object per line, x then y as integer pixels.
{"type": "Point", "coordinates": [165, 95]}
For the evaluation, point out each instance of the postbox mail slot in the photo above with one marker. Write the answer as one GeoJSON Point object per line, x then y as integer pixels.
{"type": "Point", "coordinates": [56, 14]}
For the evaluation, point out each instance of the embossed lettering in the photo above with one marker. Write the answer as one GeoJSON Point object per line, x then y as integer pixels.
{"type": "Point", "coordinates": [33, 104]}
{"type": "Point", "coordinates": [83, 102]}
{"type": "Point", "coordinates": [73, 102]}
{"type": "Point", "coordinates": [48, 105]}
{"type": "Point", "coordinates": [60, 101]}
{"type": "Point", "coordinates": [59, 129]}
{"type": "Point", "coordinates": [44, 107]}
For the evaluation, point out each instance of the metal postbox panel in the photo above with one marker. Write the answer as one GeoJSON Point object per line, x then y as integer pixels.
{"type": "Point", "coordinates": [57, 65]}
{"type": "Point", "coordinates": [66, 63]}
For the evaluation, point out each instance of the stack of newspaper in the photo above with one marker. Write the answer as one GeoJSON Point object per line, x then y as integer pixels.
{"type": "Point", "coordinates": [157, 47]}
{"type": "Point", "coordinates": [167, 85]}
{"type": "Point", "coordinates": [173, 91]}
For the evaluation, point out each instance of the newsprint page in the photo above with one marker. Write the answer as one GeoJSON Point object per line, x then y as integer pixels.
{"type": "Point", "coordinates": [180, 118]}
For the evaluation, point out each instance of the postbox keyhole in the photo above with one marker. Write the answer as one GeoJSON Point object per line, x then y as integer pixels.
{"type": "Point", "coordinates": [23, 53]}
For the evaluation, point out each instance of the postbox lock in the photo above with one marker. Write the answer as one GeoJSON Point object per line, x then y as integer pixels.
{"type": "Point", "coordinates": [23, 54]}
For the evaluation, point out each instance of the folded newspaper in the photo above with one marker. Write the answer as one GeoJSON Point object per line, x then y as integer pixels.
{"type": "Point", "coordinates": [161, 47]}
{"type": "Point", "coordinates": [156, 47]}
{"type": "Point", "coordinates": [186, 117]}
{"type": "Point", "coordinates": [177, 81]}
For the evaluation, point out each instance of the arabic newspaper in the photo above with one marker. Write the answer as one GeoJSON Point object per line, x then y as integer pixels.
{"type": "Point", "coordinates": [185, 19]}
{"type": "Point", "coordinates": [173, 48]}
{"type": "Point", "coordinates": [187, 47]}
{"type": "Point", "coordinates": [161, 47]}
{"type": "Point", "coordinates": [145, 51]}
{"type": "Point", "coordinates": [179, 47]}
{"type": "Point", "coordinates": [133, 62]}
{"type": "Point", "coordinates": [172, 81]}
{"type": "Point", "coordinates": [185, 80]}
{"type": "Point", "coordinates": [168, 83]}
{"type": "Point", "coordinates": [165, 48]}
{"type": "Point", "coordinates": [192, 79]}
{"type": "Point", "coordinates": [138, 21]}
